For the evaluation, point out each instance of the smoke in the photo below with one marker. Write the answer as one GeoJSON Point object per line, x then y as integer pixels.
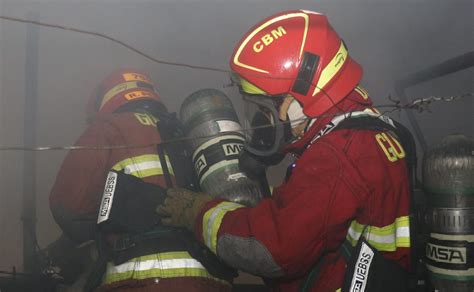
{"type": "Point", "coordinates": [389, 38]}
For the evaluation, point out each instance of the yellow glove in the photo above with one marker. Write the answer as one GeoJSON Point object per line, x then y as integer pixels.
{"type": "Point", "coordinates": [181, 207]}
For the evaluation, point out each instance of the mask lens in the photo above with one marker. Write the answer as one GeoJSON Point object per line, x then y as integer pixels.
{"type": "Point", "coordinates": [260, 123]}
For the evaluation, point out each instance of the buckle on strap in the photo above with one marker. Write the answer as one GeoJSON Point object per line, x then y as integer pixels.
{"type": "Point", "coordinates": [124, 242]}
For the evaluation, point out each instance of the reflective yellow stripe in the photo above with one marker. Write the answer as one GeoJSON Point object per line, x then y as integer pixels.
{"type": "Point", "coordinates": [136, 77]}
{"type": "Point", "coordinates": [338, 290]}
{"type": "Point", "coordinates": [261, 27]}
{"type": "Point", "coordinates": [386, 238]}
{"type": "Point", "coordinates": [160, 265]}
{"type": "Point", "coordinates": [332, 68]}
{"type": "Point", "coordinates": [250, 88]}
{"type": "Point", "coordinates": [212, 221]}
{"type": "Point", "coordinates": [372, 110]}
{"type": "Point", "coordinates": [143, 166]}
{"type": "Point", "coordinates": [360, 90]}
{"type": "Point", "coordinates": [118, 89]}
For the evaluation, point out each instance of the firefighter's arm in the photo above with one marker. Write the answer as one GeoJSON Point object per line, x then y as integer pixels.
{"type": "Point", "coordinates": [283, 236]}
{"type": "Point", "coordinates": [81, 174]}
{"type": "Point", "coordinates": [286, 235]}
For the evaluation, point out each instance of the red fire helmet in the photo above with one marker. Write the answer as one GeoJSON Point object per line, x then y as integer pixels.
{"type": "Point", "coordinates": [298, 53]}
{"type": "Point", "coordinates": [119, 88]}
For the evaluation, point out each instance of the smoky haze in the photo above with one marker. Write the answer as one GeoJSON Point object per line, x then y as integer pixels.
{"type": "Point", "coordinates": [390, 38]}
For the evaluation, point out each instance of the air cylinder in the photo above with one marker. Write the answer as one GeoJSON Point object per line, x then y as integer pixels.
{"type": "Point", "coordinates": [215, 139]}
{"type": "Point", "coordinates": [448, 180]}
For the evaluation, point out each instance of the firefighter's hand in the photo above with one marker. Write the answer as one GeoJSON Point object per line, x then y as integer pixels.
{"type": "Point", "coordinates": [181, 207]}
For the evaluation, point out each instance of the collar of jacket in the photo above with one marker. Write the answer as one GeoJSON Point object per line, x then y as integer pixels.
{"type": "Point", "coordinates": [354, 101]}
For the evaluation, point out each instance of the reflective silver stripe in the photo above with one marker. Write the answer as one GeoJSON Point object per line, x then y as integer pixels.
{"type": "Point", "coordinates": [212, 221]}
{"type": "Point", "coordinates": [155, 264]}
{"type": "Point", "coordinates": [400, 232]}
{"type": "Point", "coordinates": [386, 238]}
{"type": "Point", "coordinates": [142, 166]}
{"type": "Point", "coordinates": [160, 265]}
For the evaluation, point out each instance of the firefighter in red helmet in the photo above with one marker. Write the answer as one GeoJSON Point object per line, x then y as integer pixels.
{"type": "Point", "coordinates": [301, 86]}
{"type": "Point", "coordinates": [127, 110]}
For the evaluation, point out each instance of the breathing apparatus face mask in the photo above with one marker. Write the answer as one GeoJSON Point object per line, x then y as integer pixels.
{"type": "Point", "coordinates": [270, 121]}
{"type": "Point", "coordinates": [266, 134]}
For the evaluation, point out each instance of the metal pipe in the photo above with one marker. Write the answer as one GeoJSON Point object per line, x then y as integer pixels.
{"type": "Point", "coordinates": [444, 68]}
{"type": "Point", "coordinates": [29, 158]}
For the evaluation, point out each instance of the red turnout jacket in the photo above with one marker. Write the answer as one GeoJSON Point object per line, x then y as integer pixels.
{"type": "Point", "coordinates": [343, 181]}
{"type": "Point", "coordinates": [77, 192]}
